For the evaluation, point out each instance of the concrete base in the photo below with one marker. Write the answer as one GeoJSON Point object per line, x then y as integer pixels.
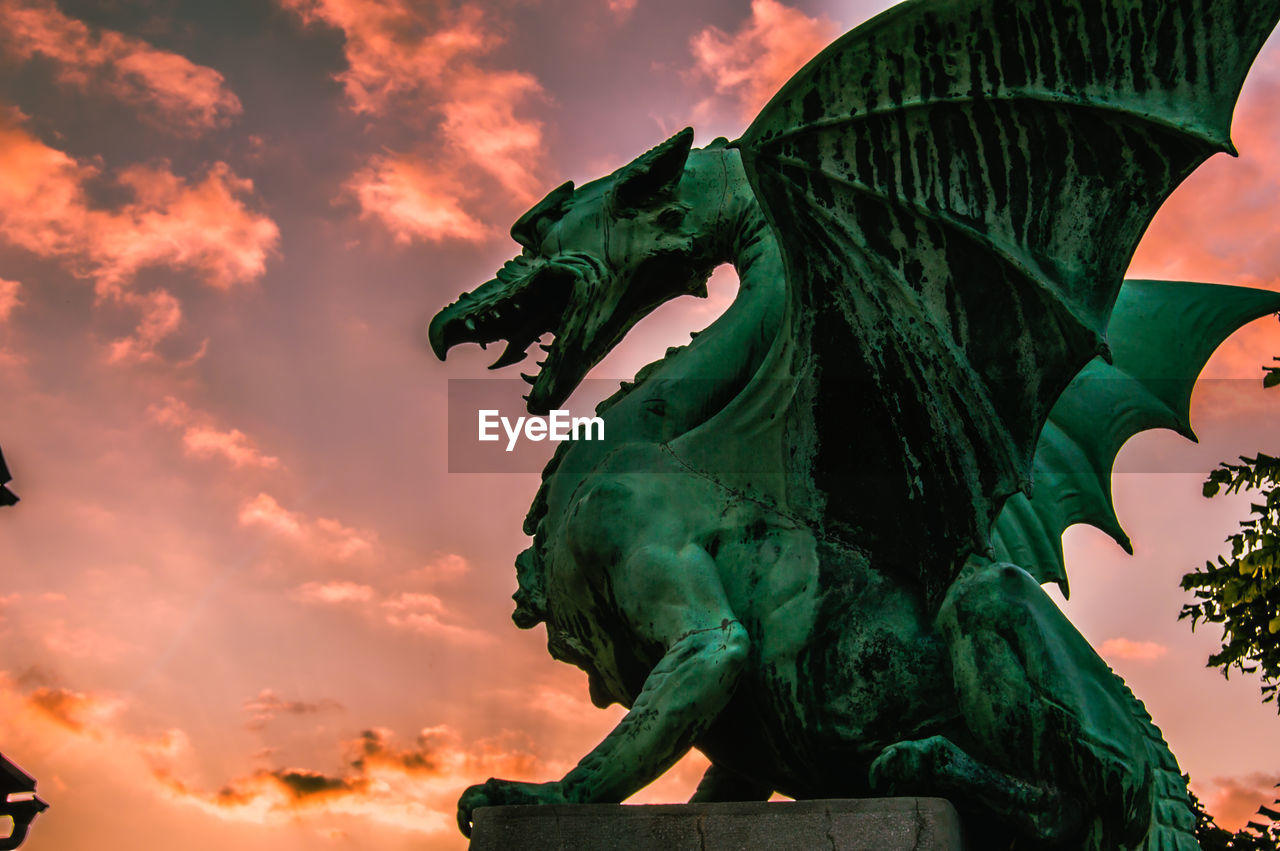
{"type": "Point", "coordinates": [868, 824]}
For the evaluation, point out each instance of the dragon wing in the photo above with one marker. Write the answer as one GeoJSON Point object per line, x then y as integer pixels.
{"type": "Point", "coordinates": [958, 188]}
{"type": "Point", "coordinates": [1161, 333]}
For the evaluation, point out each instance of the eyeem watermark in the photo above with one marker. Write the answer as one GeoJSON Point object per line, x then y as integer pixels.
{"type": "Point", "coordinates": [559, 425]}
{"type": "Point", "coordinates": [492, 431]}
{"type": "Point", "coordinates": [1232, 415]}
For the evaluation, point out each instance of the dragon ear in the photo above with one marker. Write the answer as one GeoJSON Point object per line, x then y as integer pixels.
{"type": "Point", "coordinates": [652, 175]}
{"type": "Point", "coordinates": [527, 230]}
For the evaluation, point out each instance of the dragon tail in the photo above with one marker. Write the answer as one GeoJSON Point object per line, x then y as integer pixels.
{"type": "Point", "coordinates": [1173, 823]}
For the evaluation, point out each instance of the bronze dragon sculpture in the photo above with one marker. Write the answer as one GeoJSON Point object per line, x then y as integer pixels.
{"type": "Point", "coordinates": [809, 546]}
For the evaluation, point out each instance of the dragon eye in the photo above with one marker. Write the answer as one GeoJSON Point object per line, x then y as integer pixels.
{"type": "Point", "coordinates": [670, 217]}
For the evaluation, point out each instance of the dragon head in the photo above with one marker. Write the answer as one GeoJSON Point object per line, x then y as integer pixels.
{"type": "Point", "coordinates": [595, 261]}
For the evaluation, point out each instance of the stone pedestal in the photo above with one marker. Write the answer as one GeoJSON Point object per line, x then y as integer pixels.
{"type": "Point", "coordinates": [868, 824]}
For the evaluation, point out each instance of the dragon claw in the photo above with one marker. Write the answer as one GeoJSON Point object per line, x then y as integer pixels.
{"type": "Point", "coordinates": [496, 792]}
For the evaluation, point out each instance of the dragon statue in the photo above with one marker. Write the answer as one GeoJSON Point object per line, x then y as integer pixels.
{"type": "Point", "coordinates": [809, 546]}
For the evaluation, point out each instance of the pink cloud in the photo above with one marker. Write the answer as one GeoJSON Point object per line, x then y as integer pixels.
{"type": "Point", "coordinates": [569, 707]}
{"type": "Point", "coordinates": [414, 200]}
{"type": "Point", "coordinates": [426, 614]}
{"type": "Point", "coordinates": [233, 445]}
{"type": "Point", "coordinates": [170, 90]}
{"type": "Point", "coordinates": [415, 612]}
{"type": "Point", "coordinates": [76, 641]}
{"type": "Point", "coordinates": [160, 315]}
{"type": "Point", "coordinates": [1220, 225]}
{"type": "Point", "coordinates": [622, 8]}
{"type": "Point", "coordinates": [202, 439]}
{"type": "Point", "coordinates": [446, 568]}
{"type": "Point", "coordinates": [264, 511]}
{"type": "Point", "coordinates": [319, 536]}
{"type": "Point", "coordinates": [8, 297]}
{"type": "Point", "coordinates": [334, 593]}
{"type": "Point", "coordinates": [204, 226]}
{"type": "Point", "coordinates": [748, 66]}
{"type": "Point", "coordinates": [1138, 651]}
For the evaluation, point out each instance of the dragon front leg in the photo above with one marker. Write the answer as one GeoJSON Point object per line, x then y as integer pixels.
{"type": "Point", "coordinates": [672, 597]}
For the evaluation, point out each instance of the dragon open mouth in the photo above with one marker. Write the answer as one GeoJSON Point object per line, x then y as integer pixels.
{"type": "Point", "coordinates": [519, 306]}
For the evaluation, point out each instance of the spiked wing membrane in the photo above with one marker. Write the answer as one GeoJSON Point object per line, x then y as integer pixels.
{"type": "Point", "coordinates": [1162, 334]}
{"type": "Point", "coordinates": [959, 187]}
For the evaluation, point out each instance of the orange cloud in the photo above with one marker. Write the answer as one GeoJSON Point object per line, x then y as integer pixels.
{"type": "Point", "coordinates": [204, 226]}
{"type": "Point", "coordinates": [171, 91]}
{"type": "Point", "coordinates": [394, 48]}
{"type": "Point", "coordinates": [414, 788]}
{"type": "Point", "coordinates": [750, 65]}
{"type": "Point", "coordinates": [8, 297]}
{"type": "Point", "coordinates": [481, 125]}
{"type": "Point", "coordinates": [375, 782]}
{"type": "Point", "coordinates": [416, 63]}
{"type": "Point", "coordinates": [414, 200]}
{"type": "Point", "coordinates": [268, 705]}
{"type": "Point", "coordinates": [1234, 801]}
{"type": "Point", "coordinates": [375, 747]}
{"type": "Point", "coordinates": [76, 711]}
{"type": "Point", "coordinates": [201, 439]}
{"type": "Point", "coordinates": [1138, 651]}
{"type": "Point", "coordinates": [320, 536]}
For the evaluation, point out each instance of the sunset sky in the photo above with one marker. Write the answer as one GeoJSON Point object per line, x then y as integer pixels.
{"type": "Point", "coordinates": [247, 606]}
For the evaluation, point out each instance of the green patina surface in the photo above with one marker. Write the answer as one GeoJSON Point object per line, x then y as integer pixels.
{"type": "Point", "coordinates": [810, 546]}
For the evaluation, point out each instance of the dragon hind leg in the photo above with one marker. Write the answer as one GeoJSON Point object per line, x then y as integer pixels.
{"type": "Point", "coordinates": [1045, 723]}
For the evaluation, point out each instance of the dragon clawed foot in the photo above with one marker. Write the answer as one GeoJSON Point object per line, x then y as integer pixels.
{"type": "Point", "coordinates": [935, 766]}
{"type": "Point", "coordinates": [496, 792]}
{"type": "Point", "coordinates": [907, 766]}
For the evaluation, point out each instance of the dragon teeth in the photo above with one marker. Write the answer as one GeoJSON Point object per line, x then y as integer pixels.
{"type": "Point", "coordinates": [512, 354]}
